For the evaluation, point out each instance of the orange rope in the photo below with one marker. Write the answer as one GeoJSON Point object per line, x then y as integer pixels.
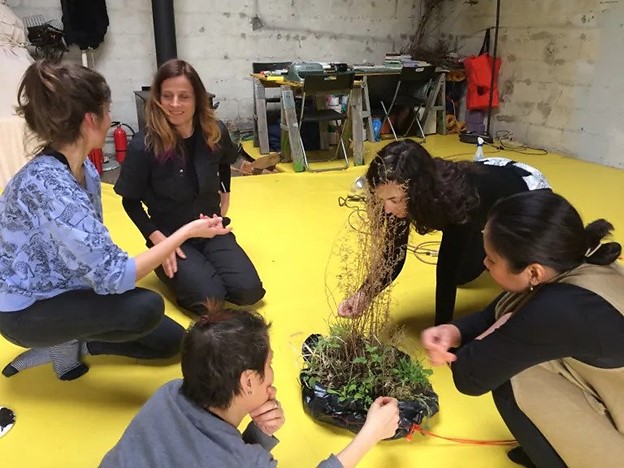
{"type": "Point", "coordinates": [423, 431]}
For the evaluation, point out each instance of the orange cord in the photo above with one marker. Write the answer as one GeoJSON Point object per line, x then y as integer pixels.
{"type": "Point", "coordinates": [423, 431]}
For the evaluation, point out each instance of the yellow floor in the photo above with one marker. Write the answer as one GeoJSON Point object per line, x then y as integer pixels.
{"type": "Point", "coordinates": [288, 224]}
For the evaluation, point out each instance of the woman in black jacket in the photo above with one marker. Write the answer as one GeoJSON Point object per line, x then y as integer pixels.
{"type": "Point", "coordinates": [179, 169]}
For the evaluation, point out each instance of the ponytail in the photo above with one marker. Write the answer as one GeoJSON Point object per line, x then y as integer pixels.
{"type": "Point", "coordinates": [598, 253]}
{"type": "Point", "coordinates": [542, 227]}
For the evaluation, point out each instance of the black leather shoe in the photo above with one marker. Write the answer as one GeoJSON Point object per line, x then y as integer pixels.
{"type": "Point", "coordinates": [520, 457]}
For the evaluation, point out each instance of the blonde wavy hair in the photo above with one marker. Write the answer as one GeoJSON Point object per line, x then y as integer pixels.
{"type": "Point", "coordinates": [160, 136]}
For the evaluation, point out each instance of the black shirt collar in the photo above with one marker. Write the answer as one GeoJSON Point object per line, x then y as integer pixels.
{"type": "Point", "coordinates": [56, 155]}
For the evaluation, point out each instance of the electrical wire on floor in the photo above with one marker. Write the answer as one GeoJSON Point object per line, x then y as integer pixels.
{"type": "Point", "coordinates": [425, 252]}
{"type": "Point", "coordinates": [506, 143]}
{"type": "Point", "coordinates": [460, 440]}
{"type": "Point", "coordinates": [502, 146]}
{"type": "Point", "coordinates": [349, 201]}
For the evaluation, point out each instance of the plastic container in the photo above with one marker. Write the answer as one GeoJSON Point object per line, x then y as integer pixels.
{"type": "Point", "coordinates": [478, 156]}
{"type": "Point", "coordinates": [377, 128]}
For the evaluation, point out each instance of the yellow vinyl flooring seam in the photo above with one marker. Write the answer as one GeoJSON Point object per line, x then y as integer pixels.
{"type": "Point", "coordinates": [289, 224]}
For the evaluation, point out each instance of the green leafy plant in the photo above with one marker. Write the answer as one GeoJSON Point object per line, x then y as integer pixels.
{"type": "Point", "coordinates": [374, 369]}
{"type": "Point", "coordinates": [361, 357]}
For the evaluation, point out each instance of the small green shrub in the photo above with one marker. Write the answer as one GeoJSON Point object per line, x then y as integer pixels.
{"type": "Point", "coordinates": [362, 370]}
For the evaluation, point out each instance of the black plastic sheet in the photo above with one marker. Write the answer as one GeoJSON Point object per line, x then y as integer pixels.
{"type": "Point", "coordinates": [326, 407]}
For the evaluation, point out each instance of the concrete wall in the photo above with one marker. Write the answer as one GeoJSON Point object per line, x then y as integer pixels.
{"type": "Point", "coordinates": [561, 77]}
{"type": "Point", "coordinates": [217, 38]}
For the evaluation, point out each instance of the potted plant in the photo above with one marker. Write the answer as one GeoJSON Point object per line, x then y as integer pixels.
{"type": "Point", "coordinates": [361, 358]}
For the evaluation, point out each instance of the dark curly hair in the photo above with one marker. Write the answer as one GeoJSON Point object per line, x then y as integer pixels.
{"type": "Point", "coordinates": [438, 191]}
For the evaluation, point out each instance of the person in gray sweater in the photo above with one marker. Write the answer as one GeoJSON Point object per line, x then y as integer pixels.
{"type": "Point", "coordinates": [227, 375]}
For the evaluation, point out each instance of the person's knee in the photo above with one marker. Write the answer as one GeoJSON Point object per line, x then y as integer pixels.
{"type": "Point", "coordinates": [5, 331]}
{"type": "Point", "coordinates": [195, 301]}
{"type": "Point", "coordinates": [171, 341]}
{"type": "Point", "coordinates": [246, 296]}
{"type": "Point", "coordinates": [148, 311]}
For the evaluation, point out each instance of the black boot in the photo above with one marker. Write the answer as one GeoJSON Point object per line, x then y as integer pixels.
{"type": "Point", "coordinates": [520, 457]}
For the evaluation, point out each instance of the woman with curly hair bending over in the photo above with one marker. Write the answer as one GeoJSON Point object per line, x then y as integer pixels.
{"type": "Point", "coordinates": [180, 169]}
{"type": "Point", "coordinates": [433, 194]}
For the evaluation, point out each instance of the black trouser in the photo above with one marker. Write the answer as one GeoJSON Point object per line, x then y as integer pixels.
{"type": "Point", "coordinates": [216, 268]}
{"type": "Point", "coordinates": [131, 324]}
{"type": "Point", "coordinates": [526, 433]}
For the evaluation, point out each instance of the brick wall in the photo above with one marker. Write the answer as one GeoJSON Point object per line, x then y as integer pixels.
{"type": "Point", "coordinates": [561, 72]}
{"type": "Point", "coordinates": [216, 37]}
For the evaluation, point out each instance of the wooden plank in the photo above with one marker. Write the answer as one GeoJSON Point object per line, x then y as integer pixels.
{"type": "Point", "coordinates": [291, 139]}
{"type": "Point", "coordinates": [256, 143]}
{"type": "Point", "coordinates": [355, 104]}
{"type": "Point", "coordinates": [442, 108]}
{"type": "Point", "coordinates": [431, 99]}
{"type": "Point", "coordinates": [284, 143]}
{"type": "Point", "coordinates": [261, 116]}
{"type": "Point", "coordinates": [366, 110]}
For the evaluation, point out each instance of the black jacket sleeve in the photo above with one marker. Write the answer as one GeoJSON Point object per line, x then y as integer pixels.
{"type": "Point", "coordinates": [134, 174]}
{"type": "Point", "coordinates": [135, 211]}
{"type": "Point", "coordinates": [474, 324]}
{"type": "Point", "coordinates": [397, 250]}
{"type": "Point", "coordinates": [395, 254]}
{"type": "Point", "coordinates": [554, 324]}
{"type": "Point", "coordinates": [225, 176]}
{"type": "Point", "coordinates": [229, 155]}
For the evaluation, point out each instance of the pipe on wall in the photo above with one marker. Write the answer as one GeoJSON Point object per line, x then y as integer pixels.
{"type": "Point", "coordinates": [164, 30]}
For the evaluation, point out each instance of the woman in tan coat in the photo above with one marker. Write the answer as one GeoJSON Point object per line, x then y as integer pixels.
{"type": "Point", "coordinates": [550, 349]}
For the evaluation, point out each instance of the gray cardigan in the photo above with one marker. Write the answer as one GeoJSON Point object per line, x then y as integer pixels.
{"type": "Point", "coordinates": [171, 431]}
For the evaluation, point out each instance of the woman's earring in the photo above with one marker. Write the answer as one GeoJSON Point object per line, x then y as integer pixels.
{"type": "Point", "coordinates": [249, 392]}
{"type": "Point", "coordinates": [531, 288]}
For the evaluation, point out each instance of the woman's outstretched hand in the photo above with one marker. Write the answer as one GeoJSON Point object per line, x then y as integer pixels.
{"type": "Point", "coordinates": [353, 306]}
{"type": "Point", "coordinates": [166, 248]}
{"type": "Point", "coordinates": [382, 420]}
{"type": "Point", "coordinates": [438, 340]}
{"type": "Point", "coordinates": [208, 227]}
{"type": "Point", "coordinates": [170, 265]}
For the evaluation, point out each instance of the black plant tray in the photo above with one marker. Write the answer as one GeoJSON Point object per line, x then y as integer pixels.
{"type": "Point", "coordinates": [328, 408]}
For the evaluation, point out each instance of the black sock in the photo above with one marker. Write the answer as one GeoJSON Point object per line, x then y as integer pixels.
{"type": "Point", "coordinates": [65, 359]}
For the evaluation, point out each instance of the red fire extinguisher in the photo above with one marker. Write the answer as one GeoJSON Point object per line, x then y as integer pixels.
{"type": "Point", "coordinates": [96, 155]}
{"type": "Point", "coordinates": [121, 143]}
